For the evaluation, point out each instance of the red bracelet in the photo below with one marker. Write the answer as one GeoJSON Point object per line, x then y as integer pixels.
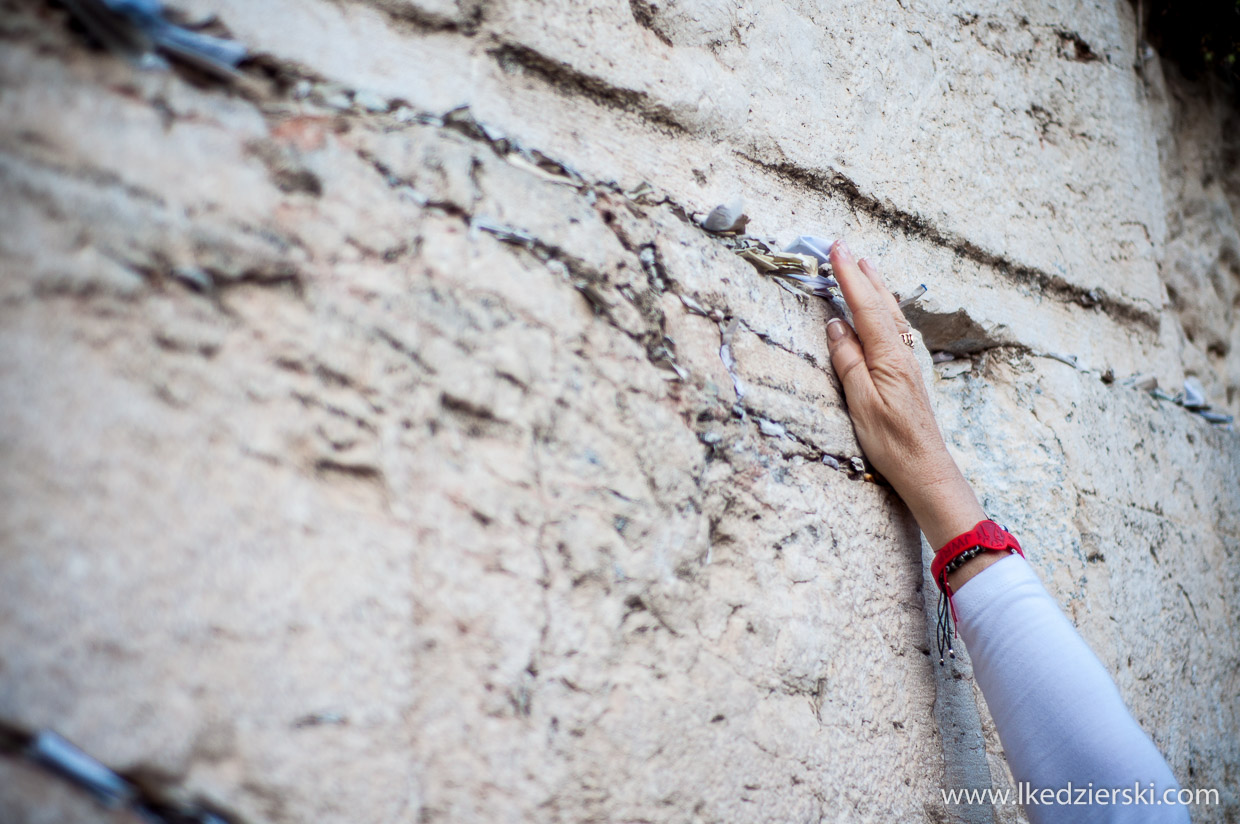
{"type": "Point", "coordinates": [985, 536]}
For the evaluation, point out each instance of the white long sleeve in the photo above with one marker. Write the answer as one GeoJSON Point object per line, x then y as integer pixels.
{"type": "Point", "coordinates": [1059, 715]}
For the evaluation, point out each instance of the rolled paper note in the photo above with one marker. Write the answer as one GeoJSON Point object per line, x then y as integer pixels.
{"type": "Point", "coordinates": [819, 247]}
{"type": "Point", "coordinates": [911, 299]}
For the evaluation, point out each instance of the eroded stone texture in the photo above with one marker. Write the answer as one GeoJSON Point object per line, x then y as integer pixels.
{"type": "Point", "coordinates": [367, 463]}
{"type": "Point", "coordinates": [1118, 528]}
{"type": "Point", "coordinates": [1201, 266]}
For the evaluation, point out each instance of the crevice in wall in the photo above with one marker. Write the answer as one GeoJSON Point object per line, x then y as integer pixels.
{"type": "Point", "coordinates": [918, 227]}
{"type": "Point", "coordinates": [948, 336]}
{"type": "Point", "coordinates": [616, 443]}
{"type": "Point", "coordinates": [13, 175]}
{"type": "Point", "coordinates": [363, 472]}
{"type": "Point", "coordinates": [1076, 48]}
{"type": "Point", "coordinates": [1158, 512]}
{"type": "Point", "coordinates": [593, 286]}
{"type": "Point", "coordinates": [884, 213]}
{"type": "Point", "coordinates": [289, 175]}
{"type": "Point", "coordinates": [410, 15]}
{"type": "Point", "coordinates": [769, 341]}
{"type": "Point", "coordinates": [147, 792]}
{"type": "Point", "coordinates": [515, 57]}
{"type": "Point", "coordinates": [645, 12]}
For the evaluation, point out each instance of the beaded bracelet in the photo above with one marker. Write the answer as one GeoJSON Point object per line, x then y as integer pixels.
{"type": "Point", "coordinates": [961, 559]}
{"type": "Point", "coordinates": [985, 536]}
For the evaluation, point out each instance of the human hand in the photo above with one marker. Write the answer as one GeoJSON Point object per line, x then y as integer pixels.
{"type": "Point", "coordinates": [889, 405]}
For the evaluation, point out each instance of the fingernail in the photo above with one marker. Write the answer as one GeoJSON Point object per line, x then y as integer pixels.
{"type": "Point", "coordinates": [866, 263]}
{"type": "Point", "coordinates": [835, 329]}
{"type": "Point", "coordinates": [842, 248]}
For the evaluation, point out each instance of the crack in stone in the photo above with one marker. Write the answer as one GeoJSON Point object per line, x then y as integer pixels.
{"type": "Point", "coordinates": [916, 226]}
{"type": "Point", "coordinates": [515, 57]}
{"type": "Point", "coordinates": [645, 14]}
{"type": "Point", "coordinates": [886, 214]}
{"type": "Point", "coordinates": [144, 790]}
{"type": "Point", "coordinates": [407, 15]}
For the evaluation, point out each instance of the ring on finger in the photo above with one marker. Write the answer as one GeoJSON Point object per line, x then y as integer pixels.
{"type": "Point", "coordinates": [907, 338]}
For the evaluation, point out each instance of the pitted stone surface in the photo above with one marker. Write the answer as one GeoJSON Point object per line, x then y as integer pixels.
{"type": "Point", "coordinates": [358, 466]}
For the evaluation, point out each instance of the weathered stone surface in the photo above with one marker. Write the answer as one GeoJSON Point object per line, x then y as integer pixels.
{"type": "Point", "coordinates": [366, 464]}
{"type": "Point", "coordinates": [1127, 506]}
{"type": "Point", "coordinates": [873, 94]}
{"type": "Point", "coordinates": [1052, 285]}
{"type": "Point", "coordinates": [1201, 266]}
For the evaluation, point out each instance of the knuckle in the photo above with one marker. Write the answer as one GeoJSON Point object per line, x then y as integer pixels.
{"type": "Point", "coordinates": [870, 301]}
{"type": "Point", "coordinates": [848, 371]}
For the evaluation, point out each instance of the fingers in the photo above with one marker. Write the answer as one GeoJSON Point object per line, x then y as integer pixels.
{"type": "Point", "coordinates": [872, 316]}
{"type": "Point", "coordinates": [885, 296]}
{"type": "Point", "coordinates": [849, 361]}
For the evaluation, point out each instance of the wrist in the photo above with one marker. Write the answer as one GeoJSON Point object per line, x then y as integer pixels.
{"type": "Point", "coordinates": [972, 567]}
{"type": "Point", "coordinates": [943, 503]}
{"type": "Point", "coordinates": [958, 561]}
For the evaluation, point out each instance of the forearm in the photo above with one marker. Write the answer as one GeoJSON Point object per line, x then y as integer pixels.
{"type": "Point", "coordinates": [944, 505]}
{"type": "Point", "coordinates": [1058, 713]}
{"type": "Point", "coordinates": [939, 497]}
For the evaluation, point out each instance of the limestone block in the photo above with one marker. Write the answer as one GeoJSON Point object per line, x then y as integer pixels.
{"type": "Point", "coordinates": [359, 465]}
{"type": "Point", "coordinates": [900, 78]}
{"type": "Point", "coordinates": [1085, 471]}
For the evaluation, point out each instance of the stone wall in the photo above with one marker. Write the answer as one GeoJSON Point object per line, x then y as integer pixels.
{"type": "Point", "coordinates": [368, 453]}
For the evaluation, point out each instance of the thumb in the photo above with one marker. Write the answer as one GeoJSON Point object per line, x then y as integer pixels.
{"type": "Point", "coordinates": [849, 360]}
